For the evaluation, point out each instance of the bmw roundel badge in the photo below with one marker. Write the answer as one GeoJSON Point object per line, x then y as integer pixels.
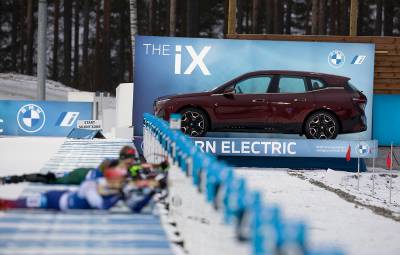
{"type": "Point", "coordinates": [31, 118]}
{"type": "Point", "coordinates": [336, 58]}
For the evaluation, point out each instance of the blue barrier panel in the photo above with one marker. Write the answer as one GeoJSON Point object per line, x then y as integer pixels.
{"type": "Point", "coordinates": [386, 124]}
{"type": "Point", "coordinates": [41, 118]}
{"type": "Point", "coordinates": [263, 225]}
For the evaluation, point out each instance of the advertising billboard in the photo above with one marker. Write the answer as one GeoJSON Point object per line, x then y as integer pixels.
{"type": "Point", "coordinates": [41, 118]}
{"type": "Point", "coordinates": [273, 88]}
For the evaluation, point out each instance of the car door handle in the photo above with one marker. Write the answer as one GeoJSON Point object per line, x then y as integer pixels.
{"type": "Point", "coordinates": [258, 100]}
{"type": "Point", "coordinates": [300, 100]}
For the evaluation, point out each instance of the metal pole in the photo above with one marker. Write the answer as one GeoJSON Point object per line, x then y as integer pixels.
{"type": "Point", "coordinates": [358, 173]}
{"type": "Point", "coordinates": [373, 175]}
{"type": "Point", "coordinates": [391, 175]}
{"type": "Point", "coordinates": [232, 17]}
{"type": "Point", "coordinates": [41, 62]}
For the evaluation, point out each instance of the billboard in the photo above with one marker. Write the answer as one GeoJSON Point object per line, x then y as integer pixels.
{"type": "Point", "coordinates": [41, 118]}
{"type": "Point", "coordinates": [274, 147]}
{"type": "Point", "coordinates": [167, 66]}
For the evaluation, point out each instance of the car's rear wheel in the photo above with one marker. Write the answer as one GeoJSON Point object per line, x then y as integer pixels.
{"type": "Point", "coordinates": [194, 122]}
{"type": "Point", "coordinates": [321, 125]}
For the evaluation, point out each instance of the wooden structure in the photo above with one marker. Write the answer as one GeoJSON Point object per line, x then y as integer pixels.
{"type": "Point", "coordinates": [387, 55]}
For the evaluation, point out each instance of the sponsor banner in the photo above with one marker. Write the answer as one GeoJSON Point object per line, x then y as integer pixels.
{"type": "Point", "coordinates": [171, 65]}
{"type": "Point", "coordinates": [41, 118]}
{"type": "Point", "coordinates": [90, 124]}
{"type": "Point", "coordinates": [287, 147]}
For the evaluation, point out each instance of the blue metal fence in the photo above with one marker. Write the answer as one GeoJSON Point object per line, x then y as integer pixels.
{"type": "Point", "coordinates": [261, 225]}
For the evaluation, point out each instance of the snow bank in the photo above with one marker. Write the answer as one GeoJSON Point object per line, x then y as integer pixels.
{"type": "Point", "coordinates": [24, 87]}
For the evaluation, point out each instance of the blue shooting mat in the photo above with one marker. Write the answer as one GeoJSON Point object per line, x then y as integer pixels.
{"type": "Point", "coordinates": [81, 231]}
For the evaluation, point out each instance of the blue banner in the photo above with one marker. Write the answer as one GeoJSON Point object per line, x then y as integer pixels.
{"type": "Point", "coordinates": [41, 118]}
{"type": "Point", "coordinates": [287, 147]}
{"type": "Point", "coordinates": [170, 65]}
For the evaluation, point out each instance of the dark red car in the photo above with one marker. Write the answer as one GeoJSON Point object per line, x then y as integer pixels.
{"type": "Point", "coordinates": [321, 106]}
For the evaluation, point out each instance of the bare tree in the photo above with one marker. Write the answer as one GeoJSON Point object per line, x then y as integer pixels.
{"type": "Point", "coordinates": [67, 41]}
{"type": "Point", "coordinates": [288, 16]}
{"type": "Point", "coordinates": [333, 15]}
{"type": "Point", "coordinates": [85, 47]}
{"type": "Point", "coordinates": [133, 21]}
{"type": "Point", "coordinates": [172, 17]}
{"type": "Point", "coordinates": [256, 6]}
{"type": "Point", "coordinates": [14, 34]}
{"type": "Point", "coordinates": [29, 37]}
{"type": "Point", "coordinates": [322, 17]}
{"type": "Point", "coordinates": [192, 17]}
{"type": "Point", "coordinates": [269, 16]}
{"type": "Point", "coordinates": [344, 17]}
{"type": "Point", "coordinates": [76, 43]}
{"type": "Point", "coordinates": [55, 39]}
{"type": "Point", "coordinates": [106, 44]}
{"type": "Point", "coordinates": [378, 20]}
{"type": "Point", "coordinates": [278, 17]}
{"type": "Point", "coordinates": [98, 72]}
{"type": "Point", "coordinates": [388, 17]}
{"type": "Point", "coordinates": [314, 17]}
{"type": "Point", "coordinates": [22, 21]}
{"type": "Point", "coordinates": [122, 38]}
{"type": "Point", "coordinates": [150, 28]}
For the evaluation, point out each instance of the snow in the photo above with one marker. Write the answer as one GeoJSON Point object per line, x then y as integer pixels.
{"type": "Point", "coordinates": [200, 225]}
{"type": "Point", "coordinates": [24, 87]}
{"type": "Point", "coordinates": [332, 220]}
{"type": "Point", "coordinates": [23, 155]}
{"type": "Point", "coordinates": [348, 183]}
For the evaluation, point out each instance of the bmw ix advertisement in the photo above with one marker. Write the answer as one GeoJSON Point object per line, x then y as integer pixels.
{"type": "Point", "coordinates": [245, 88]}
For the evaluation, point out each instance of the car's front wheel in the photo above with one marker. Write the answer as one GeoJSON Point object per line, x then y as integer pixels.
{"type": "Point", "coordinates": [194, 122]}
{"type": "Point", "coordinates": [321, 125]}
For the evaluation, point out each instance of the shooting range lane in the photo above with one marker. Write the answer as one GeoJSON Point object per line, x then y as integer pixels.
{"type": "Point", "coordinates": [81, 232]}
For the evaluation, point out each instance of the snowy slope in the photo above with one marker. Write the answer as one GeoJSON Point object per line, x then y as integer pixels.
{"type": "Point", "coordinates": [24, 87]}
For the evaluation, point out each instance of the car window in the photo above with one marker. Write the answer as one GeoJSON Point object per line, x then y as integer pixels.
{"type": "Point", "coordinates": [317, 84]}
{"type": "Point", "coordinates": [254, 85]}
{"type": "Point", "coordinates": [291, 85]}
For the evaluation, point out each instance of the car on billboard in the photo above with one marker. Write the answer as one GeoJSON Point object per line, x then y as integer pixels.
{"type": "Point", "coordinates": [317, 105]}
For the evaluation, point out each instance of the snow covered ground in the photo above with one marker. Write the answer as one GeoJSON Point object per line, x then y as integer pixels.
{"type": "Point", "coordinates": [24, 87]}
{"type": "Point", "coordinates": [332, 220]}
{"type": "Point", "coordinates": [348, 183]}
{"type": "Point", "coordinates": [23, 155]}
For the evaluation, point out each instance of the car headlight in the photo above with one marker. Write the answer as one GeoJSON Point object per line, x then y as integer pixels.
{"type": "Point", "coordinates": [162, 101]}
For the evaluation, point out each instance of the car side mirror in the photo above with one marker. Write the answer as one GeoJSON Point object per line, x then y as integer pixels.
{"type": "Point", "coordinates": [229, 92]}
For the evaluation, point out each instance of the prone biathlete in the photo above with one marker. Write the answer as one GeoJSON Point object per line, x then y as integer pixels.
{"type": "Point", "coordinates": [101, 193]}
{"type": "Point", "coordinates": [128, 156]}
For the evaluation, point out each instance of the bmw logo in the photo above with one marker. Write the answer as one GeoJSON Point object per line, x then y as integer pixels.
{"type": "Point", "coordinates": [31, 118]}
{"type": "Point", "coordinates": [363, 149]}
{"type": "Point", "coordinates": [336, 58]}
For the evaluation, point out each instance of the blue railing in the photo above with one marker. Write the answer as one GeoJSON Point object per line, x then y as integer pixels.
{"type": "Point", "coordinates": [256, 222]}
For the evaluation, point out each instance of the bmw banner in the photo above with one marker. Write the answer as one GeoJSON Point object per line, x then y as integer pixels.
{"type": "Point", "coordinates": [275, 88]}
{"type": "Point", "coordinates": [41, 118]}
{"type": "Point", "coordinates": [287, 147]}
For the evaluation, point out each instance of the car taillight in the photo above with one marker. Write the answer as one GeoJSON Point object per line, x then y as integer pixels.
{"type": "Point", "coordinates": [361, 101]}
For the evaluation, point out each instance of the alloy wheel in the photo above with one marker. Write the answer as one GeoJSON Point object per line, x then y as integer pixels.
{"type": "Point", "coordinates": [322, 126]}
{"type": "Point", "coordinates": [193, 123]}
